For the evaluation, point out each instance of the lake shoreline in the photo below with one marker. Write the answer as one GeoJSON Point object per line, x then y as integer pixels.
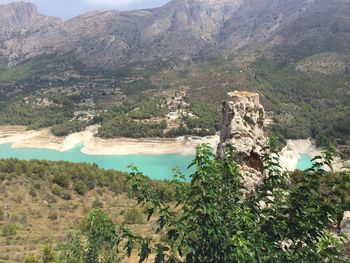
{"type": "Point", "coordinates": [292, 152]}
{"type": "Point", "coordinates": [20, 137]}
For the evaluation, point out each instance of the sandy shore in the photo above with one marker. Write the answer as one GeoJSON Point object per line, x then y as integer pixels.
{"type": "Point", "coordinates": [291, 154]}
{"type": "Point", "coordinates": [19, 137]}
{"type": "Point", "coordinates": [123, 146]}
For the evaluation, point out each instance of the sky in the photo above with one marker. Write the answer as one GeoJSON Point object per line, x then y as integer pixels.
{"type": "Point", "coordinates": [69, 8]}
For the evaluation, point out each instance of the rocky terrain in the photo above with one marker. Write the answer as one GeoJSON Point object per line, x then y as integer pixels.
{"type": "Point", "coordinates": [242, 128]}
{"type": "Point", "coordinates": [178, 32]}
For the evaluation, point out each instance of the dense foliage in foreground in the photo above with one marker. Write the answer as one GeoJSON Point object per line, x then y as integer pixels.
{"type": "Point", "coordinates": [218, 220]}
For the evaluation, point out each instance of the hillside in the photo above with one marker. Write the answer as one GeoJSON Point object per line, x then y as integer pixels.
{"type": "Point", "coordinates": [41, 202]}
{"type": "Point", "coordinates": [45, 206]}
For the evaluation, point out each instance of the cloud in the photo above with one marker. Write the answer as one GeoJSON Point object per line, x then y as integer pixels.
{"type": "Point", "coordinates": [112, 2]}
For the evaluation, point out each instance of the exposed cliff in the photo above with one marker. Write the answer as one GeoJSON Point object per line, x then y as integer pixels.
{"type": "Point", "coordinates": [179, 31]}
{"type": "Point", "coordinates": [345, 224]}
{"type": "Point", "coordinates": [242, 123]}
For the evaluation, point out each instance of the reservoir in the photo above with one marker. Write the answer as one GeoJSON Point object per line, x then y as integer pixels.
{"type": "Point", "coordinates": [157, 167]}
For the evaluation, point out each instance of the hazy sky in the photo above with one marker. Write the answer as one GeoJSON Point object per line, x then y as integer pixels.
{"type": "Point", "coordinates": [69, 8]}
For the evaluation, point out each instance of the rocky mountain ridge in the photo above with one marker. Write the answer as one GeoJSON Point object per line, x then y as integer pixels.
{"type": "Point", "coordinates": [181, 31]}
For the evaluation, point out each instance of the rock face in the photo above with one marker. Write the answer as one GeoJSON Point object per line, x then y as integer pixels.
{"type": "Point", "coordinates": [180, 31]}
{"type": "Point", "coordinates": [345, 224]}
{"type": "Point", "coordinates": [242, 123]}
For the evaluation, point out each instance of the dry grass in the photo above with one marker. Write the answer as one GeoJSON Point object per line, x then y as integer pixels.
{"type": "Point", "coordinates": [43, 218]}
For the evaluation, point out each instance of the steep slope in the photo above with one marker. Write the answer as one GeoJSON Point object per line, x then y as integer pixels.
{"type": "Point", "coordinates": [19, 23]}
{"type": "Point", "coordinates": [22, 16]}
{"type": "Point", "coordinates": [323, 27]}
{"type": "Point", "coordinates": [256, 22]}
{"type": "Point", "coordinates": [180, 31]}
{"type": "Point", "coordinates": [41, 201]}
{"type": "Point", "coordinates": [100, 38]}
{"type": "Point", "coordinates": [185, 29]}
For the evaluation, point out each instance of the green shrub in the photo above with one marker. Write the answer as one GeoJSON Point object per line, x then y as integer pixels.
{"type": "Point", "coordinates": [9, 230]}
{"type": "Point", "coordinates": [66, 196]}
{"type": "Point", "coordinates": [33, 191]}
{"type": "Point", "coordinates": [18, 198]}
{"type": "Point", "coordinates": [32, 259]}
{"type": "Point", "coordinates": [97, 204]}
{"type": "Point", "coordinates": [62, 180]}
{"type": "Point", "coordinates": [68, 127]}
{"type": "Point", "coordinates": [48, 254]}
{"type": "Point", "coordinates": [81, 187]}
{"type": "Point", "coordinates": [56, 189]}
{"type": "Point", "coordinates": [22, 218]}
{"type": "Point", "coordinates": [2, 214]}
{"type": "Point", "coordinates": [53, 215]}
{"type": "Point", "coordinates": [134, 216]}
{"type": "Point", "coordinates": [117, 188]}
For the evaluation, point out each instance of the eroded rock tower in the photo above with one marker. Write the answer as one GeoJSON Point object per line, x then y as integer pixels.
{"type": "Point", "coordinates": [242, 127]}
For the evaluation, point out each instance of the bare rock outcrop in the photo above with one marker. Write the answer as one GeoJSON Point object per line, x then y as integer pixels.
{"type": "Point", "coordinates": [242, 123]}
{"type": "Point", "coordinates": [345, 224]}
{"type": "Point", "coordinates": [179, 31]}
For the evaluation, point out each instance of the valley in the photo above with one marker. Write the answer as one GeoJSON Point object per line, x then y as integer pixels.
{"type": "Point", "coordinates": [97, 110]}
{"type": "Point", "coordinates": [304, 88]}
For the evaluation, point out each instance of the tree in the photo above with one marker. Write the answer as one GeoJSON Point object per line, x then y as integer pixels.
{"type": "Point", "coordinates": [105, 242]}
{"type": "Point", "coordinates": [218, 222]}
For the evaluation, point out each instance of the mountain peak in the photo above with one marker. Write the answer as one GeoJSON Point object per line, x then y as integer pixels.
{"type": "Point", "coordinates": [17, 13]}
{"type": "Point", "coordinates": [20, 7]}
{"type": "Point", "coordinates": [211, 3]}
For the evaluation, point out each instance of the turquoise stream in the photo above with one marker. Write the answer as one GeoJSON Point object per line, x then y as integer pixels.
{"type": "Point", "coordinates": [158, 167]}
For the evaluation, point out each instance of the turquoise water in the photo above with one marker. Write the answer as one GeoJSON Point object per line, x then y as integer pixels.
{"type": "Point", "coordinates": [158, 167]}
{"type": "Point", "coordinates": [304, 162]}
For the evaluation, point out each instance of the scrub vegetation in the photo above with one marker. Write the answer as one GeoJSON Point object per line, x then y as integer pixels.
{"type": "Point", "coordinates": [80, 213]}
{"type": "Point", "coordinates": [135, 102]}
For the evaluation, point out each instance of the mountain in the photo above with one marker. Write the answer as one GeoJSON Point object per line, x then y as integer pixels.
{"type": "Point", "coordinates": [181, 31]}
{"type": "Point", "coordinates": [22, 17]}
